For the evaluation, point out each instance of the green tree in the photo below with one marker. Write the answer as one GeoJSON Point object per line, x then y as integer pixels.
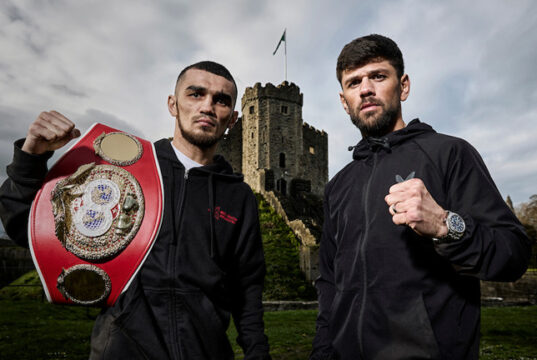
{"type": "Point", "coordinates": [527, 214]}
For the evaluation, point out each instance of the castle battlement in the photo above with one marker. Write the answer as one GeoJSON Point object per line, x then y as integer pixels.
{"type": "Point", "coordinates": [286, 91]}
{"type": "Point", "coordinates": [273, 147]}
{"type": "Point", "coordinates": [308, 127]}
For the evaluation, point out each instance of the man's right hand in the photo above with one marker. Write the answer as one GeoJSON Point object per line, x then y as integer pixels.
{"type": "Point", "coordinates": [50, 131]}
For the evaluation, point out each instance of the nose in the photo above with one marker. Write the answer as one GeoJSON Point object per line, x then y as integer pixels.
{"type": "Point", "coordinates": [207, 105]}
{"type": "Point", "coordinates": [366, 87]}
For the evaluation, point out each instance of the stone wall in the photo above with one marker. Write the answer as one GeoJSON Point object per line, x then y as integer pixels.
{"type": "Point", "coordinates": [231, 146]}
{"type": "Point", "coordinates": [309, 248]}
{"type": "Point", "coordinates": [523, 291]}
{"type": "Point", "coordinates": [250, 141]}
{"type": "Point", "coordinates": [315, 158]}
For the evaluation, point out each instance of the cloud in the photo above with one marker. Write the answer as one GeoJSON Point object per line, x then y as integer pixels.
{"type": "Point", "coordinates": [471, 65]}
{"type": "Point", "coordinates": [66, 90]}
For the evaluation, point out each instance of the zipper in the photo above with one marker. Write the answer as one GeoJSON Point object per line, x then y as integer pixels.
{"type": "Point", "coordinates": [172, 260]}
{"type": "Point", "coordinates": [179, 211]}
{"type": "Point", "coordinates": [363, 257]}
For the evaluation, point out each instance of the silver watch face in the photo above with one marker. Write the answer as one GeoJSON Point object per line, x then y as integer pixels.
{"type": "Point", "coordinates": [456, 225]}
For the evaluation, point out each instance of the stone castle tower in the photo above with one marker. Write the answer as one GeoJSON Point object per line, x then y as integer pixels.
{"type": "Point", "coordinates": [284, 159]}
{"type": "Point", "coordinates": [279, 151]}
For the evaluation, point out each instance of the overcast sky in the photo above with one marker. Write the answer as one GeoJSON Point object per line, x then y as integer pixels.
{"type": "Point", "coordinates": [471, 65]}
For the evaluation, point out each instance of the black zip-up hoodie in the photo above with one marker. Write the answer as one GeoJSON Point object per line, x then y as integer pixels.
{"type": "Point", "coordinates": [206, 264]}
{"type": "Point", "coordinates": [384, 291]}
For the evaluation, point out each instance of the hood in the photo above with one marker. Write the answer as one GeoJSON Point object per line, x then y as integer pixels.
{"type": "Point", "coordinates": [218, 171]}
{"type": "Point", "coordinates": [218, 168]}
{"type": "Point", "coordinates": [371, 144]}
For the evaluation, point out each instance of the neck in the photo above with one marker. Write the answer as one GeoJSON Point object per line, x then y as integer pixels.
{"type": "Point", "coordinates": [202, 156]}
{"type": "Point", "coordinates": [399, 124]}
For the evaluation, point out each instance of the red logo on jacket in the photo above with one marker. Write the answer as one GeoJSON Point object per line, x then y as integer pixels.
{"type": "Point", "coordinates": [220, 214]}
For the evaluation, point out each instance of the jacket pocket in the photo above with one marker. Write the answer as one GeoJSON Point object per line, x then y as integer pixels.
{"type": "Point", "coordinates": [409, 334]}
{"type": "Point", "coordinates": [202, 327]}
{"type": "Point", "coordinates": [128, 331]}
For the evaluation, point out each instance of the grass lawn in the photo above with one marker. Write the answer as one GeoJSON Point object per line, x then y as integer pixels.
{"type": "Point", "coordinates": [509, 332]}
{"type": "Point", "coordinates": [31, 329]}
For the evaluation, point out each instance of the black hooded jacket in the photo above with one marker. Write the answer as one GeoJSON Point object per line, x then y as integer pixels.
{"type": "Point", "coordinates": [206, 264]}
{"type": "Point", "coordinates": [384, 291]}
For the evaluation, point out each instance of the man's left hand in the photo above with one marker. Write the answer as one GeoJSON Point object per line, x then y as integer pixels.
{"type": "Point", "coordinates": [411, 204]}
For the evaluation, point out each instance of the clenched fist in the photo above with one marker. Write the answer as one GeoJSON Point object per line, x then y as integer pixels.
{"type": "Point", "coordinates": [411, 204]}
{"type": "Point", "coordinates": [50, 131]}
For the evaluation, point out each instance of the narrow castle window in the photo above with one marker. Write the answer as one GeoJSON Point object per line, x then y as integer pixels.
{"type": "Point", "coordinates": [251, 109]}
{"type": "Point", "coordinates": [281, 186]}
{"type": "Point", "coordinates": [312, 150]}
{"type": "Point", "coordinates": [282, 160]}
{"type": "Point", "coordinates": [284, 109]}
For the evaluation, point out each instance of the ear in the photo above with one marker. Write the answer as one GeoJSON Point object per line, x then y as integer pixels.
{"type": "Point", "coordinates": [172, 105]}
{"type": "Point", "coordinates": [233, 120]}
{"type": "Point", "coordinates": [405, 87]}
{"type": "Point", "coordinates": [344, 102]}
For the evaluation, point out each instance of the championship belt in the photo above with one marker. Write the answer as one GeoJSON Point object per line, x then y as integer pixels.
{"type": "Point", "coordinates": [95, 219]}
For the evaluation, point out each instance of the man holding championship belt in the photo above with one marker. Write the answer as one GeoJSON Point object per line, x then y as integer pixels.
{"type": "Point", "coordinates": [205, 264]}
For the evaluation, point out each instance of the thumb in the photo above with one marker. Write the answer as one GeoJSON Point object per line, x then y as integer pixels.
{"type": "Point", "coordinates": [75, 133]}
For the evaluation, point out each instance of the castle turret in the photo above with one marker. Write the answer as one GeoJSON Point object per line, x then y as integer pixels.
{"type": "Point", "coordinates": [275, 156]}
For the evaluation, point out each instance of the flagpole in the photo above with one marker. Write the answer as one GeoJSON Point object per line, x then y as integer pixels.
{"type": "Point", "coordinates": [285, 52]}
{"type": "Point", "coordinates": [284, 39]}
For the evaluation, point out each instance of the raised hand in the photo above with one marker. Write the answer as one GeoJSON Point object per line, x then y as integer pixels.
{"type": "Point", "coordinates": [50, 131]}
{"type": "Point", "coordinates": [411, 204]}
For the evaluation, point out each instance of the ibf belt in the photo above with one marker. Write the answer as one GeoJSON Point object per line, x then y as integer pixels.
{"type": "Point", "coordinates": [95, 219]}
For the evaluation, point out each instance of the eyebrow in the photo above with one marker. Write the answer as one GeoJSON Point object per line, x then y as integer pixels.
{"type": "Point", "coordinates": [221, 95]}
{"type": "Point", "coordinates": [197, 88]}
{"type": "Point", "coordinates": [369, 73]}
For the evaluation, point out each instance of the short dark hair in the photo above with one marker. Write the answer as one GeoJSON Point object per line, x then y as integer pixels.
{"type": "Point", "coordinates": [370, 48]}
{"type": "Point", "coordinates": [212, 67]}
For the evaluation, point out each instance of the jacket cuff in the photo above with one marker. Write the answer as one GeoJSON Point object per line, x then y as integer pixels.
{"type": "Point", "coordinates": [27, 166]}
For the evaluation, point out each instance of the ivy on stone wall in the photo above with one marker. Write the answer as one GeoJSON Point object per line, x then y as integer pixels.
{"type": "Point", "coordinates": [284, 279]}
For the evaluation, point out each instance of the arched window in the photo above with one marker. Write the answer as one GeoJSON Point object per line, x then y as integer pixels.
{"type": "Point", "coordinates": [282, 160]}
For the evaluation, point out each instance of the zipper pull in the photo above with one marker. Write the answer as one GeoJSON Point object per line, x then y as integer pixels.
{"type": "Point", "coordinates": [186, 174]}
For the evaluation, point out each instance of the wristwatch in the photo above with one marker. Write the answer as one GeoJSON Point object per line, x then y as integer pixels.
{"type": "Point", "coordinates": [456, 228]}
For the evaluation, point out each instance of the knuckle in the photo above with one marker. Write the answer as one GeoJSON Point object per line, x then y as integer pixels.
{"type": "Point", "coordinates": [416, 205]}
{"type": "Point", "coordinates": [33, 127]}
{"type": "Point", "coordinates": [417, 182]}
{"type": "Point", "coordinates": [412, 215]}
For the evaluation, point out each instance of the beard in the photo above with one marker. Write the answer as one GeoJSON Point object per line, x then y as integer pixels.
{"type": "Point", "coordinates": [203, 141]}
{"type": "Point", "coordinates": [376, 125]}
